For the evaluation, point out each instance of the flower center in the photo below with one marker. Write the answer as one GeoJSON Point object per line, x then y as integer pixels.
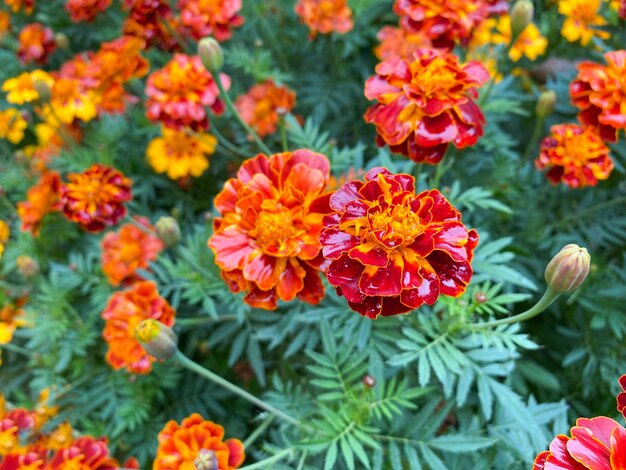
{"type": "Point", "coordinates": [434, 79]}
{"type": "Point", "coordinates": [577, 149]}
{"type": "Point", "coordinates": [273, 229]}
{"type": "Point", "coordinates": [395, 226]}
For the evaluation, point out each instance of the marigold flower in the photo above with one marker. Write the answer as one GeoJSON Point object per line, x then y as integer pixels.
{"type": "Point", "coordinates": [581, 19]}
{"type": "Point", "coordinates": [124, 311]}
{"type": "Point", "coordinates": [36, 43]}
{"type": "Point", "coordinates": [129, 249]}
{"type": "Point", "coordinates": [263, 104]}
{"type": "Point", "coordinates": [445, 22]}
{"type": "Point", "coordinates": [5, 23]}
{"type": "Point", "coordinates": [149, 20]}
{"type": "Point", "coordinates": [179, 92]}
{"type": "Point", "coordinates": [41, 199]}
{"type": "Point", "coordinates": [621, 397]}
{"type": "Point", "coordinates": [575, 156]}
{"type": "Point", "coordinates": [426, 104]}
{"type": "Point", "coordinates": [17, 5]}
{"type": "Point", "coordinates": [180, 154]}
{"type": "Point", "coordinates": [94, 198]}
{"type": "Point", "coordinates": [399, 42]}
{"type": "Point", "coordinates": [391, 250]}
{"type": "Point", "coordinates": [599, 92]}
{"type": "Point", "coordinates": [181, 444]}
{"type": "Point", "coordinates": [325, 16]}
{"type": "Point", "coordinates": [210, 17]}
{"type": "Point", "coordinates": [11, 318]}
{"type": "Point", "coordinates": [12, 125]}
{"type": "Point", "coordinates": [85, 453]}
{"type": "Point", "coordinates": [266, 240]}
{"type": "Point", "coordinates": [5, 233]}
{"type": "Point", "coordinates": [595, 443]}
{"type": "Point", "coordinates": [530, 43]}
{"type": "Point", "coordinates": [69, 101]}
{"type": "Point", "coordinates": [21, 89]}
{"type": "Point", "coordinates": [86, 10]}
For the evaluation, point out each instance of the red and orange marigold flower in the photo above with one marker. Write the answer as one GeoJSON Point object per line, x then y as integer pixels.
{"type": "Point", "coordinates": [210, 17]}
{"type": "Point", "coordinates": [263, 104]}
{"type": "Point", "coordinates": [599, 92]}
{"type": "Point", "coordinates": [182, 445]}
{"type": "Point", "coordinates": [123, 313]}
{"type": "Point", "coordinates": [86, 10]}
{"type": "Point", "coordinates": [41, 199]}
{"type": "Point", "coordinates": [266, 240]}
{"type": "Point", "coordinates": [152, 21]}
{"type": "Point", "coordinates": [17, 5]}
{"type": "Point", "coordinates": [426, 104]}
{"type": "Point", "coordinates": [36, 43]}
{"type": "Point", "coordinates": [95, 198]}
{"type": "Point", "coordinates": [575, 156]}
{"type": "Point", "coordinates": [325, 16]}
{"type": "Point", "coordinates": [391, 250]}
{"type": "Point", "coordinates": [399, 42]}
{"type": "Point", "coordinates": [179, 92]}
{"type": "Point", "coordinates": [127, 250]}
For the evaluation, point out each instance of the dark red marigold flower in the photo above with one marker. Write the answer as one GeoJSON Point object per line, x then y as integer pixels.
{"type": "Point", "coordinates": [266, 240]}
{"type": "Point", "coordinates": [621, 397]}
{"type": "Point", "coordinates": [210, 18]}
{"type": "Point", "coordinates": [426, 104]}
{"type": "Point", "coordinates": [599, 91]}
{"type": "Point", "coordinates": [95, 198]}
{"type": "Point", "coordinates": [36, 43]}
{"type": "Point", "coordinates": [392, 250]}
{"type": "Point", "coordinates": [86, 10]}
{"type": "Point", "coordinates": [575, 156]}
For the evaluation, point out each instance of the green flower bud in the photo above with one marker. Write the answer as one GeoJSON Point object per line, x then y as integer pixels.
{"type": "Point", "coordinates": [568, 269]}
{"type": "Point", "coordinates": [43, 90]}
{"type": "Point", "coordinates": [168, 230]}
{"type": "Point", "coordinates": [211, 54]}
{"type": "Point", "coordinates": [62, 41]}
{"type": "Point", "coordinates": [27, 266]}
{"type": "Point", "coordinates": [157, 339]}
{"type": "Point", "coordinates": [521, 15]}
{"type": "Point", "coordinates": [545, 103]}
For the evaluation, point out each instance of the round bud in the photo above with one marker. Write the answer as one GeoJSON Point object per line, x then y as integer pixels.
{"type": "Point", "coordinates": [62, 41]}
{"type": "Point", "coordinates": [521, 15]}
{"type": "Point", "coordinates": [157, 339]}
{"type": "Point", "coordinates": [168, 230]}
{"type": "Point", "coordinates": [43, 90]}
{"type": "Point", "coordinates": [545, 103]}
{"type": "Point", "coordinates": [211, 54]}
{"type": "Point", "coordinates": [27, 266]}
{"type": "Point", "coordinates": [369, 381]}
{"type": "Point", "coordinates": [568, 269]}
{"type": "Point", "coordinates": [480, 297]}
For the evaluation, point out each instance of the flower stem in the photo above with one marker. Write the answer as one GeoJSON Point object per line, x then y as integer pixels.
{"type": "Point", "coordinates": [534, 137]}
{"type": "Point", "coordinates": [258, 431]}
{"type": "Point", "coordinates": [198, 369]}
{"type": "Point", "coordinates": [186, 322]}
{"type": "Point", "coordinates": [283, 134]}
{"type": "Point", "coordinates": [17, 349]}
{"type": "Point", "coordinates": [549, 296]}
{"type": "Point", "coordinates": [274, 458]}
{"type": "Point", "coordinates": [270, 36]}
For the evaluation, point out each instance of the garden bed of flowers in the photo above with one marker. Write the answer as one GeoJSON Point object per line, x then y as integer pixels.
{"type": "Point", "coordinates": [312, 234]}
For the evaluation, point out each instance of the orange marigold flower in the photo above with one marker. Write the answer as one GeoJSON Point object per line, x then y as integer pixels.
{"type": "Point", "coordinates": [575, 156]}
{"type": "Point", "coordinates": [5, 23]}
{"type": "Point", "coordinates": [215, 18]}
{"type": "Point", "coordinates": [594, 444]}
{"type": "Point", "coordinates": [129, 249]}
{"type": "Point", "coordinates": [180, 154]}
{"type": "Point", "coordinates": [86, 10]}
{"type": "Point", "coordinates": [391, 250]}
{"type": "Point", "coordinates": [41, 199]}
{"type": "Point", "coordinates": [263, 104]}
{"type": "Point", "coordinates": [266, 242]}
{"type": "Point", "coordinates": [426, 104]}
{"type": "Point", "coordinates": [194, 438]}
{"type": "Point", "coordinates": [399, 42]}
{"type": "Point", "coordinates": [12, 125]}
{"type": "Point", "coordinates": [70, 100]}
{"type": "Point", "coordinates": [599, 92]}
{"type": "Point", "coordinates": [36, 43]}
{"type": "Point", "coordinates": [17, 5]}
{"type": "Point", "coordinates": [445, 22]}
{"type": "Point", "coordinates": [5, 233]}
{"type": "Point", "coordinates": [152, 21]}
{"type": "Point", "coordinates": [325, 16]}
{"type": "Point", "coordinates": [95, 198]}
{"type": "Point", "coordinates": [179, 92]}
{"type": "Point", "coordinates": [124, 311]}
{"type": "Point", "coordinates": [11, 318]}
{"type": "Point", "coordinates": [581, 19]}
{"type": "Point", "coordinates": [21, 89]}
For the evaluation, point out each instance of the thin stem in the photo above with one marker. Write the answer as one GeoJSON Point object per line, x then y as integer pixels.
{"type": "Point", "coordinates": [228, 144]}
{"type": "Point", "coordinates": [186, 322]}
{"type": "Point", "coordinates": [417, 173]}
{"type": "Point", "coordinates": [258, 431]}
{"type": "Point", "coordinates": [534, 137]}
{"type": "Point", "coordinates": [549, 296]}
{"type": "Point", "coordinates": [17, 349]}
{"type": "Point", "coordinates": [139, 225]}
{"type": "Point", "coordinates": [274, 458]}
{"type": "Point", "coordinates": [589, 210]}
{"type": "Point", "coordinates": [283, 134]}
{"type": "Point", "coordinates": [269, 35]}
{"type": "Point", "coordinates": [198, 369]}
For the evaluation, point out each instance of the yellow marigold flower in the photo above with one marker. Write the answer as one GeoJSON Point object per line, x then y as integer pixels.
{"type": "Point", "coordinates": [491, 32]}
{"type": "Point", "coordinates": [530, 43]}
{"type": "Point", "coordinates": [5, 232]}
{"type": "Point", "coordinates": [180, 153]}
{"type": "Point", "coordinates": [69, 101]}
{"type": "Point", "coordinates": [12, 125]}
{"type": "Point", "coordinates": [11, 317]}
{"type": "Point", "coordinates": [581, 19]}
{"type": "Point", "coordinates": [21, 89]}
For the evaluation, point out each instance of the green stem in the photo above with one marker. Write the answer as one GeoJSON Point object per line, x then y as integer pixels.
{"type": "Point", "coordinates": [549, 296]}
{"type": "Point", "coordinates": [484, 96]}
{"type": "Point", "coordinates": [578, 215]}
{"type": "Point", "coordinates": [270, 37]}
{"type": "Point", "coordinates": [17, 349]}
{"type": "Point", "coordinates": [227, 143]}
{"type": "Point", "coordinates": [186, 322]}
{"type": "Point", "coordinates": [417, 173]}
{"type": "Point", "coordinates": [283, 134]}
{"type": "Point", "coordinates": [533, 138]}
{"type": "Point", "coordinates": [231, 107]}
{"type": "Point", "coordinates": [258, 431]}
{"type": "Point", "coordinates": [142, 227]}
{"type": "Point", "coordinates": [198, 369]}
{"type": "Point", "coordinates": [274, 458]}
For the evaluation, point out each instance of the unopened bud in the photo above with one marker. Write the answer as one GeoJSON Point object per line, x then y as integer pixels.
{"type": "Point", "coordinates": [42, 89]}
{"type": "Point", "coordinates": [62, 41]}
{"type": "Point", "coordinates": [521, 15]}
{"type": "Point", "coordinates": [568, 269]}
{"type": "Point", "coordinates": [211, 54]}
{"type": "Point", "coordinates": [369, 381]}
{"type": "Point", "coordinates": [545, 103]}
{"type": "Point", "coordinates": [157, 339]}
{"type": "Point", "coordinates": [168, 230]}
{"type": "Point", "coordinates": [27, 266]}
{"type": "Point", "coordinates": [480, 297]}
{"type": "Point", "coordinates": [206, 460]}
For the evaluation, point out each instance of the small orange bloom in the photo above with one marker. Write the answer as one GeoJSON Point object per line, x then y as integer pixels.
{"type": "Point", "coordinates": [179, 92]}
{"type": "Point", "coordinates": [200, 18]}
{"type": "Point", "coordinates": [266, 240]}
{"type": "Point", "coordinates": [17, 5]}
{"type": "Point", "coordinates": [5, 23]}
{"type": "Point", "coordinates": [426, 104]}
{"type": "Point", "coordinates": [21, 89]}
{"type": "Point", "coordinates": [390, 250]}
{"type": "Point", "coordinates": [5, 233]}
{"type": "Point", "coordinates": [575, 156]}
{"type": "Point", "coordinates": [399, 42]}
{"type": "Point", "coordinates": [86, 10]}
{"type": "Point", "coordinates": [124, 311]}
{"type": "Point", "coordinates": [36, 43]}
{"type": "Point", "coordinates": [41, 199]}
{"type": "Point", "coordinates": [94, 198]}
{"type": "Point", "coordinates": [599, 92]}
{"type": "Point", "coordinates": [263, 104]}
{"type": "Point", "coordinates": [581, 20]}
{"type": "Point", "coordinates": [181, 445]}
{"type": "Point", "coordinates": [325, 16]}
{"type": "Point", "coordinates": [129, 249]}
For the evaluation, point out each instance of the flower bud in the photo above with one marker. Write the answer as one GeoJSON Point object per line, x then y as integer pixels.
{"type": "Point", "coordinates": [206, 460]}
{"type": "Point", "coordinates": [545, 104]}
{"type": "Point", "coordinates": [43, 90]}
{"type": "Point", "coordinates": [168, 230]}
{"type": "Point", "coordinates": [62, 41]}
{"type": "Point", "coordinates": [157, 339]}
{"type": "Point", "coordinates": [369, 381]}
{"type": "Point", "coordinates": [211, 54]}
{"type": "Point", "coordinates": [27, 266]}
{"type": "Point", "coordinates": [521, 15]}
{"type": "Point", "coordinates": [568, 269]}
